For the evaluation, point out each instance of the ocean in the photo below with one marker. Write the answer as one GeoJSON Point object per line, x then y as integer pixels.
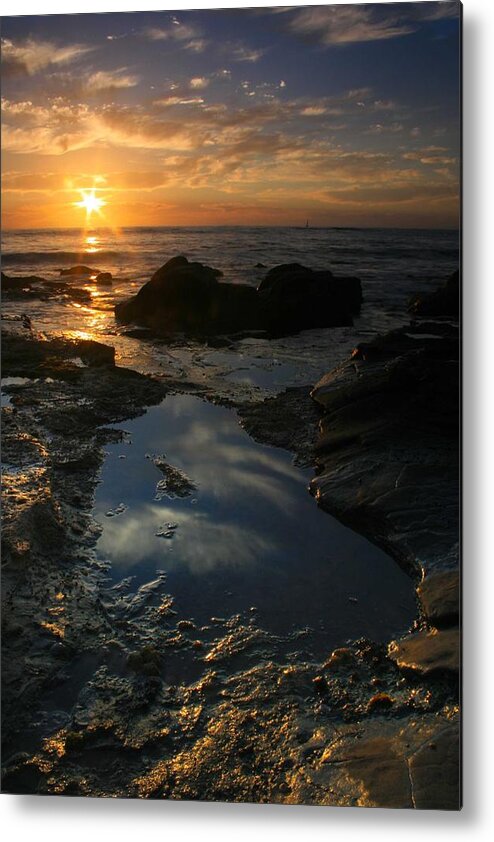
{"type": "Point", "coordinates": [392, 264]}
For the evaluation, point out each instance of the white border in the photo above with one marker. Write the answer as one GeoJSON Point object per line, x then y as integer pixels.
{"type": "Point", "coordinates": [49, 818]}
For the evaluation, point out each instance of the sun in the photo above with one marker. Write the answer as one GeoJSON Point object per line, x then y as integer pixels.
{"type": "Point", "coordinates": [90, 202]}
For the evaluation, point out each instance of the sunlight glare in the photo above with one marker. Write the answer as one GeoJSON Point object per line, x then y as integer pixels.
{"type": "Point", "coordinates": [90, 202]}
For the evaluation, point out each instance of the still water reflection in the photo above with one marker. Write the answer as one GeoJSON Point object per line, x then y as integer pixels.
{"type": "Point", "coordinates": [249, 535]}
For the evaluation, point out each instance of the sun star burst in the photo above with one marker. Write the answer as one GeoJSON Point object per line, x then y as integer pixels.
{"type": "Point", "coordinates": [90, 202]}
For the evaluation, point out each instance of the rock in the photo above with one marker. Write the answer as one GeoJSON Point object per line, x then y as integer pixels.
{"type": "Point", "coordinates": [442, 302]}
{"type": "Point", "coordinates": [440, 597]}
{"type": "Point", "coordinates": [387, 452]}
{"type": "Point", "coordinates": [435, 772]}
{"type": "Point", "coordinates": [380, 701]}
{"type": "Point", "coordinates": [14, 284]}
{"type": "Point", "coordinates": [379, 765]}
{"type": "Point", "coordinates": [176, 483]}
{"type": "Point", "coordinates": [32, 286]}
{"type": "Point", "coordinates": [298, 298]}
{"type": "Point", "coordinates": [104, 279]}
{"type": "Point", "coordinates": [401, 763]}
{"type": "Point", "coordinates": [180, 296]}
{"type": "Point", "coordinates": [428, 651]}
{"type": "Point", "coordinates": [187, 297]}
{"type": "Point", "coordinates": [79, 270]}
{"type": "Point", "coordinates": [23, 356]}
{"type": "Point", "coordinates": [145, 662]}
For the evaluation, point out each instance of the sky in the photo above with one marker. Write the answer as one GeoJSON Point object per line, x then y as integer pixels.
{"type": "Point", "coordinates": [344, 115]}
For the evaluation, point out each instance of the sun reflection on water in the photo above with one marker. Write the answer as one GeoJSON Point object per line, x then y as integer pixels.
{"type": "Point", "coordinates": [92, 244]}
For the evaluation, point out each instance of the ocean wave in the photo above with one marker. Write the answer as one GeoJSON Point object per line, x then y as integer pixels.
{"type": "Point", "coordinates": [28, 257]}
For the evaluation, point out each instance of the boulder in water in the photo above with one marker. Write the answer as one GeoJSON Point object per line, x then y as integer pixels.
{"type": "Point", "coordinates": [104, 279]}
{"type": "Point", "coordinates": [79, 270]}
{"type": "Point", "coordinates": [187, 297]}
{"type": "Point", "coordinates": [444, 301]}
{"type": "Point", "coordinates": [183, 296]}
{"type": "Point", "coordinates": [298, 298]}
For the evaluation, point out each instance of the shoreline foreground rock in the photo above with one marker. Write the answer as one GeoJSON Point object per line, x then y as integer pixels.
{"type": "Point", "coordinates": [372, 725]}
{"type": "Point", "coordinates": [188, 297]}
{"type": "Point", "coordinates": [387, 465]}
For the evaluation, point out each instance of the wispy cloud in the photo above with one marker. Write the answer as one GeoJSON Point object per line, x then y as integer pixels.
{"type": "Point", "coordinates": [106, 81]}
{"type": "Point", "coordinates": [333, 26]}
{"type": "Point", "coordinates": [198, 83]}
{"type": "Point", "coordinates": [340, 25]}
{"type": "Point", "coordinates": [175, 30]}
{"type": "Point", "coordinates": [240, 52]}
{"type": "Point", "coordinates": [30, 56]}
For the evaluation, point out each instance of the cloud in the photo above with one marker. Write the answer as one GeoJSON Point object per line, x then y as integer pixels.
{"type": "Point", "coordinates": [189, 37]}
{"type": "Point", "coordinates": [110, 80]}
{"type": "Point", "coordinates": [198, 83]}
{"type": "Point", "coordinates": [197, 45]}
{"type": "Point", "coordinates": [239, 52]}
{"type": "Point", "coordinates": [360, 23]}
{"type": "Point", "coordinates": [170, 101]}
{"type": "Point", "coordinates": [431, 155]}
{"type": "Point", "coordinates": [30, 56]}
{"type": "Point", "coordinates": [434, 11]}
{"type": "Point", "coordinates": [389, 128]}
{"type": "Point", "coordinates": [340, 25]}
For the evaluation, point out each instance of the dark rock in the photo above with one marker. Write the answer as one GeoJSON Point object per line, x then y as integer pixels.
{"type": "Point", "coordinates": [380, 701]}
{"type": "Point", "coordinates": [104, 279]}
{"type": "Point", "coordinates": [32, 286]}
{"type": "Point", "coordinates": [442, 302]}
{"type": "Point", "coordinates": [12, 284]}
{"type": "Point", "coordinates": [440, 597]}
{"type": "Point", "coordinates": [79, 270]}
{"type": "Point", "coordinates": [428, 652]}
{"type": "Point", "coordinates": [435, 772]}
{"type": "Point", "coordinates": [297, 298]}
{"type": "Point", "coordinates": [187, 297]}
{"type": "Point", "coordinates": [180, 296]}
{"type": "Point", "coordinates": [23, 356]}
{"type": "Point", "coordinates": [388, 461]}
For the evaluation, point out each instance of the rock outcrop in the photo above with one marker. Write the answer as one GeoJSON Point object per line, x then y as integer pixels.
{"type": "Point", "coordinates": [187, 297]}
{"type": "Point", "coordinates": [443, 302]}
{"type": "Point", "coordinates": [295, 298]}
{"type": "Point", "coordinates": [79, 270]}
{"type": "Point", "coordinates": [104, 279]}
{"type": "Point", "coordinates": [32, 286]}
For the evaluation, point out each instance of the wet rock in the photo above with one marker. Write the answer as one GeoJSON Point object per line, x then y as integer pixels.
{"type": "Point", "coordinates": [387, 452]}
{"type": "Point", "coordinates": [289, 420]}
{"type": "Point", "coordinates": [186, 625]}
{"type": "Point", "coordinates": [175, 484]}
{"type": "Point", "coordinates": [146, 661]}
{"type": "Point", "coordinates": [378, 771]}
{"type": "Point", "coordinates": [24, 356]}
{"type": "Point", "coordinates": [298, 298]}
{"type": "Point", "coordinates": [32, 286]}
{"type": "Point", "coordinates": [434, 770]}
{"type": "Point", "coordinates": [14, 284]}
{"type": "Point", "coordinates": [428, 651]}
{"type": "Point", "coordinates": [320, 685]}
{"type": "Point", "coordinates": [439, 595]}
{"type": "Point", "coordinates": [381, 701]}
{"type": "Point", "coordinates": [104, 279]}
{"type": "Point", "coordinates": [444, 302]}
{"type": "Point", "coordinates": [79, 270]}
{"type": "Point", "coordinates": [187, 297]}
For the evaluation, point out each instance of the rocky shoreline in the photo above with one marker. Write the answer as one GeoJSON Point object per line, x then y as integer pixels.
{"type": "Point", "coordinates": [370, 726]}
